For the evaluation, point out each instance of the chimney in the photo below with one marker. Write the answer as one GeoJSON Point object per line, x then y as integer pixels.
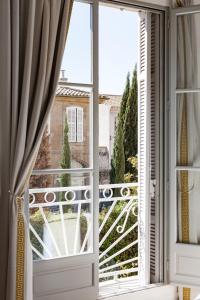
{"type": "Point", "coordinates": [62, 75]}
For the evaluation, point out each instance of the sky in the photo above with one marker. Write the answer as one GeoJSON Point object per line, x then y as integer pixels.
{"type": "Point", "coordinates": [118, 47]}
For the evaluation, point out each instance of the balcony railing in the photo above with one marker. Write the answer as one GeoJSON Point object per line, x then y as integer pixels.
{"type": "Point", "coordinates": [61, 225]}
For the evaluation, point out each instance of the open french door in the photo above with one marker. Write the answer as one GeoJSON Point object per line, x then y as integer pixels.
{"type": "Point", "coordinates": [67, 268]}
{"type": "Point", "coordinates": [184, 176]}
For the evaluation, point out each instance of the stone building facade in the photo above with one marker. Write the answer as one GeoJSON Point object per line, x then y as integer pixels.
{"type": "Point", "coordinates": [71, 98]}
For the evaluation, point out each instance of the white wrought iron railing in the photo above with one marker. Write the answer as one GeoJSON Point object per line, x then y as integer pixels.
{"type": "Point", "coordinates": [61, 225]}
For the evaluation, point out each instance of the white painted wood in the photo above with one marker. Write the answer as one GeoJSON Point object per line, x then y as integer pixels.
{"type": "Point", "coordinates": [158, 2]}
{"type": "Point", "coordinates": [64, 278]}
{"type": "Point", "coordinates": [186, 270]}
{"type": "Point", "coordinates": [143, 145]}
{"type": "Point", "coordinates": [155, 149]}
{"type": "Point", "coordinates": [82, 294]}
{"type": "Point", "coordinates": [76, 277]}
{"type": "Point", "coordinates": [184, 264]}
{"type": "Point", "coordinates": [166, 292]}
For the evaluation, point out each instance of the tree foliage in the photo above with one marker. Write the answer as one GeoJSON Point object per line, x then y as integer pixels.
{"type": "Point", "coordinates": [114, 235]}
{"type": "Point", "coordinates": [66, 157]}
{"type": "Point", "coordinates": [42, 162]}
{"type": "Point", "coordinates": [131, 124]}
{"type": "Point", "coordinates": [118, 155]}
{"type": "Point", "coordinates": [126, 134]}
{"type": "Point", "coordinates": [123, 105]}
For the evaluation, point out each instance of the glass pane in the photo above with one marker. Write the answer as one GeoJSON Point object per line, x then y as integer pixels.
{"type": "Point", "coordinates": [118, 147]}
{"type": "Point", "coordinates": [58, 180]}
{"type": "Point", "coordinates": [188, 129]}
{"type": "Point", "coordinates": [118, 53]}
{"type": "Point", "coordinates": [60, 217]}
{"type": "Point", "coordinates": [77, 55]}
{"type": "Point", "coordinates": [188, 200]}
{"type": "Point", "coordinates": [188, 56]}
{"type": "Point", "coordinates": [66, 141]}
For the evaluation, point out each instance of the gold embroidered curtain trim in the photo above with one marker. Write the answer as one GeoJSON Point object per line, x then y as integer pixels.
{"type": "Point", "coordinates": [186, 293]}
{"type": "Point", "coordinates": [184, 176]}
{"type": "Point", "coordinates": [20, 250]}
{"type": "Point", "coordinates": [184, 186]}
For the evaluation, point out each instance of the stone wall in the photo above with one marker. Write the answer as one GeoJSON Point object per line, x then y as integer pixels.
{"type": "Point", "coordinates": [79, 151]}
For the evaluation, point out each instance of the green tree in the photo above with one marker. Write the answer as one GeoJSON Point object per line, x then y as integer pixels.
{"type": "Point", "coordinates": [114, 235]}
{"type": "Point", "coordinates": [133, 175]}
{"type": "Point", "coordinates": [130, 129]}
{"type": "Point", "coordinates": [125, 96]}
{"type": "Point", "coordinates": [118, 144]}
{"type": "Point", "coordinates": [66, 157]}
{"type": "Point", "coordinates": [118, 155]}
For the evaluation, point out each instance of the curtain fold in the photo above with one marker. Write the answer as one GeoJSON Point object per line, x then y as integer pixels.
{"type": "Point", "coordinates": [188, 135]}
{"type": "Point", "coordinates": [188, 109]}
{"type": "Point", "coordinates": [32, 35]}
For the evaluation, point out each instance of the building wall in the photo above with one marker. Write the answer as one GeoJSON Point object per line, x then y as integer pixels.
{"type": "Point", "coordinates": [113, 123]}
{"type": "Point", "coordinates": [104, 126]}
{"type": "Point", "coordinates": [79, 151]}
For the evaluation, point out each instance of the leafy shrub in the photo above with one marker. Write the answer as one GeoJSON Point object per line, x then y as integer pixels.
{"type": "Point", "coordinates": [114, 235]}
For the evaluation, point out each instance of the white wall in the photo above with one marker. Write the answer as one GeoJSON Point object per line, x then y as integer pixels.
{"type": "Point", "coordinates": [104, 126]}
{"type": "Point", "coordinates": [113, 116]}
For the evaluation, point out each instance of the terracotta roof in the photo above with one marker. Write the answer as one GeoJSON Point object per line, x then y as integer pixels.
{"type": "Point", "coordinates": [71, 92]}
{"type": "Point", "coordinates": [67, 91]}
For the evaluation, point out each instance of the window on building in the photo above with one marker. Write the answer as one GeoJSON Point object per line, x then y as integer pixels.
{"type": "Point", "coordinates": [75, 124]}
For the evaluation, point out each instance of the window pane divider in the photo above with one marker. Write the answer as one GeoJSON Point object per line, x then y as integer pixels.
{"type": "Point", "coordinates": [61, 171]}
{"type": "Point", "coordinates": [187, 168]}
{"type": "Point", "coordinates": [182, 91]}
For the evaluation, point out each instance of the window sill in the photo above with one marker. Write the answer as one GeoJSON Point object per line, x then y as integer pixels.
{"type": "Point", "coordinates": [128, 290]}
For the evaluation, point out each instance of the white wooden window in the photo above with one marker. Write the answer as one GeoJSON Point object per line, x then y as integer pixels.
{"type": "Point", "coordinates": [185, 151]}
{"type": "Point", "coordinates": [73, 271]}
{"type": "Point", "coordinates": [75, 123]}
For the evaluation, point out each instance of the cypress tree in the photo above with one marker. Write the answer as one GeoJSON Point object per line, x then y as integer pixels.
{"type": "Point", "coordinates": [124, 100]}
{"type": "Point", "coordinates": [118, 155]}
{"type": "Point", "coordinates": [130, 129]}
{"type": "Point", "coordinates": [119, 143]}
{"type": "Point", "coordinates": [66, 157]}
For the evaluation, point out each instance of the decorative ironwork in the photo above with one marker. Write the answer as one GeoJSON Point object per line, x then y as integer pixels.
{"type": "Point", "coordinates": [61, 225]}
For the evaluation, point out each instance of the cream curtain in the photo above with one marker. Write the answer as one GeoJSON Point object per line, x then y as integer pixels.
{"type": "Point", "coordinates": [188, 112]}
{"type": "Point", "coordinates": [188, 136]}
{"type": "Point", "coordinates": [32, 39]}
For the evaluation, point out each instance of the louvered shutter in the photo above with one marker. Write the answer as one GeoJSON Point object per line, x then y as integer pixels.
{"type": "Point", "coordinates": [155, 245]}
{"type": "Point", "coordinates": [79, 118]}
{"type": "Point", "coordinates": [148, 150]}
{"type": "Point", "coordinates": [71, 119]}
{"type": "Point", "coordinates": [143, 68]}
